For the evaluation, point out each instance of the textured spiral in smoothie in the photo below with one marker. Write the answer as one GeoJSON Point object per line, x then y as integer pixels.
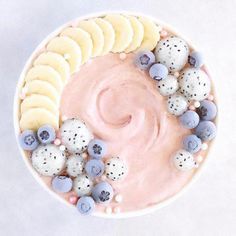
{"type": "Point", "coordinates": [122, 106]}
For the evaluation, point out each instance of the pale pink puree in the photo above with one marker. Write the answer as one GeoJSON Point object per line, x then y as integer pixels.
{"type": "Point", "coordinates": [122, 106]}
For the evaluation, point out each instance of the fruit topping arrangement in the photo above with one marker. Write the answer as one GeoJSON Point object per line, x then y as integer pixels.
{"type": "Point", "coordinates": [75, 163]}
{"type": "Point", "coordinates": [181, 78]}
{"type": "Point", "coordinates": [66, 150]}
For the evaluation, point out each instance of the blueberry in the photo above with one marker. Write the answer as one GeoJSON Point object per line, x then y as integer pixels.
{"type": "Point", "coordinates": [158, 71]}
{"type": "Point", "coordinates": [189, 119]}
{"type": "Point", "coordinates": [192, 143]}
{"type": "Point", "coordinates": [195, 59]}
{"type": "Point", "coordinates": [97, 148]}
{"type": "Point", "coordinates": [46, 134]}
{"type": "Point", "coordinates": [144, 60]}
{"type": "Point", "coordinates": [102, 192]}
{"type": "Point", "coordinates": [28, 140]}
{"type": "Point", "coordinates": [85, 205]}
{"type": "Point", "coordinates": [206, 130]}
{"type": "Point", "coordinates": [94, 168]}
{"type": "Point", "coordinates": [207, 110]}
{"type": "Point", "coordinates": [62, 184]}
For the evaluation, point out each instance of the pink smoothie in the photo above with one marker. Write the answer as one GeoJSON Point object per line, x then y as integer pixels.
{"type": "Point", "coordinates": [121, 105]}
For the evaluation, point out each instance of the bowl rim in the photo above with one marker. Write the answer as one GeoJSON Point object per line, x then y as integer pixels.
{"type": "Point", "coordinates": [38, 178]}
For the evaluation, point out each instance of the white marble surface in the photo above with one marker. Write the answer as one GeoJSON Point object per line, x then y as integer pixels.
{"type": "Point", "coordinates": [208, 208]}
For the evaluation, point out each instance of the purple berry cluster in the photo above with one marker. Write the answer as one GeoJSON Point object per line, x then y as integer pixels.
{"type": "Point", "coordinates": [29, 140]}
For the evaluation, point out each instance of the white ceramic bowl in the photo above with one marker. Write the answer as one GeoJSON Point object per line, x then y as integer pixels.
{"type": "Point", "coordinates": [17, 129]}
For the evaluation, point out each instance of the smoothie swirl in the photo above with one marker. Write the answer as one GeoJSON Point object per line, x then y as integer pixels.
{"type": "Point", "coordinates": [121, 105]}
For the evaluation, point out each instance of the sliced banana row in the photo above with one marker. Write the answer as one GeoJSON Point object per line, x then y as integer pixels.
{"type": "Point", "coordinates": [66, 52]}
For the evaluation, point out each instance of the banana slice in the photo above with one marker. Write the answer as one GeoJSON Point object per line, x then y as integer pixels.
{"type": "Point", "coordinates": [96, 34]}
{"type": "Point", "coordinates": [38, 101]}
{"type": "Point", "coordinates": [46, 73]}
{"type": "Point", "coordinates": [123, 31]}
{"type": "Point", "coordinates": [43, 88]}
{"type": "Point", "coordinates": [109, 35]}
{"type": "Point", "coordinates": [151, 34]}
{"type": "Point", "coordinates": [67, 48]}
{"type": "Point", "coordinates": [36, 117]}
{"type": "Point", "coordinates": [56, 61]}
{"type": "Point", "coordinates": [83, 39]}
{"type": "Point", "coordinates": [138, 34]}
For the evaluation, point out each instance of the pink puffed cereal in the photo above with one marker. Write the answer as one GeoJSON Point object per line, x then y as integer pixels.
{"type": "Point", "coordinates": [163, 33]}
{"type": "Point", "coordinates": [57, 141]}
{"type": "Point", "coordinates": [73, 199]}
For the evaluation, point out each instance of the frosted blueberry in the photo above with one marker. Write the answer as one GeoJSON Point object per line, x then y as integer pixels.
{"type": "Point", "coordinates": [195, 59]}
{"type": "Point", "coordinates": [168, 86]}
{"type": "Point", "coordinates": [46, 134]}
{"type": "Point", "coordinates": [28, 140]}
{"type": "Point", "coordinates": [206, 130]}
{"type": "Point", "coordinates": [184, 160]}
{"type": "Point", "coordinates": [194, 84]}
{"type": "Point", "coordinates": [62, 184]}
{"type": "Point", "coordinates": [144, 59]}
{"type": "Point", "coordinates": [189, 119]}
{"type": "Point", "coordinates": [85, 205]}
{"type": "Point", "coordinates": [102, 192]}
{"type": "Point", "coordinates": [207, 110]}
{"type": "Point", "coordinates": [94, 168]}
{"type": "Point", "coordinates": [172, 52]}
{"type": "Point", "coordinates": [192, 143]}
{"type": "Point", "coordinates": [158, 71]}
{"type": "Point", "coordinates": [97, 148]}
{"type": "Point", "coordinates": [177, 104]}
{"type": "Point", "coordinates": [83, 185]}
